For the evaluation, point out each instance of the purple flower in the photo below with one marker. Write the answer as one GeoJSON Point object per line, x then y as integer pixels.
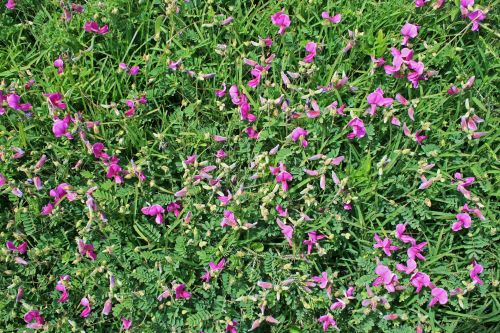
{"type": "Point", "coordinates": [327, 321]}
{"type": "Point", "coordinates": [409, 31]}
{"type": "Point", "coordinates": [476, 269]}
{"type": "Point", "coordinates": [333, 19]}
{"type": "Point", "coordinates": [34, 315]}
{"type": "Point", "coordinates": [181, 293]}
{"type": "Point", "coordinates": [86, 304]}
{"type": "Point", "coordinates": [420, 280]}
{"type": "Point", "coordinates": [384, 245]}
{"type": "Point", "coordinates": [21, 248]}
{"type": "Point", "coordinates": [311, 49]}
{"type": "Point", "coordinates": [438, 295]}
{"type": "Point", "coordinates": [377, 98]}
{"type": "Point", "coordinates": [463, 221]}
{"type": "Point", "coordinates": [126, 324]}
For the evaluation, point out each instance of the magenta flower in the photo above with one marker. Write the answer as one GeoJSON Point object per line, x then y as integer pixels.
{"type": "Point", "coordinates": [59, 64]}
{"type": "Point", "coordinates": [154, 210]}
{"type": "Point", "coordinates": [311, 51]}
{"type": "Point", "coordinates": [474, 211]}
{"type": "Point", "coordinates": [342, 303]}
{"type": "Point", "coordinates": [378, 62]}
{"type": "Point", "coordinates": [62, 191]}
{"type": "Point", "coordinates": [281, 211]}
{"type": "Point", "coordinates": [241, 100]}
{"type": "Point", "coordinates": [312, 240]}
{"type": "Point", "coordinates": [62, 288]}
{"type": "Point", "coordinates": [34, 315]}
{"type": "Point", "coordinates": [190, 159]}
{"type": "Point", "coordinates": [377, 98]}
{"type": "Point", "coordinates": [386, 277]}
{"type": "Point", "coordinates": [217, 267]}
{"type": "Point", "coordinates": [229, 220]}
{"type": "Point", "coordinates": [476, 16]}
{"type": "Point", "coordinates": [21, 248]}
{"type": "Point", "coordinates": [438, 295]}
{"type": "Point", "coordinates": [181, 293]}
{"type": "Point", "coordinates": [384, 245]}
{"type": "Point", "coordinates": [126, 324]}
{"type": "Point", "coordinates": [115, 171]}
{"type": "Point", "coordinates": [300, 134]}
{"type": "Point", "coordinates": [409, 31]}
{"type": "Point", "coordinates": [476, 269]}
{"type": "Point", "coordinates": [281, 20]}
{"type": "Point", "coordinates": [411, 266]}
{"type": "Point", "coordinates": [221, 92]}
{"type": "Point", "coordinates": [92, 26]}
{"type": "Point", "coordinates": [231, 327]}
{"type": "Point", "coordinates": [420, 280]}
{"type": "Point", "coordinates": [414, 251]}
{"type": "Point", "coordinates": [225, 199]}
{"type": "Point", "coordinates": [282, 176]}
{"type": "Point", "coordinates": [287, 231]}
{"type": "Point", "coordinates": [86, 304]}
{"type": "Point", "coordinates": [181, 193]}
{"type": "Point", "coordinates": [14, 101]}
{"type": "Point", "coordinates": [333, 19]}
{"type": "Point", "coordinates": [322, 280]}
{"type": "Point", "coordinates": [86, 249]}
{"type": "Point", "coordinates": [358, 128]}
{"type": "Point", "coordinates": [175, 207]}
{"type": "Point", "coordinates": [60, 127]}
{"type": "Point", "coordinates": [463, 221]}
{"type": "Point", "coordinates": [327, 321]}
{"type": "Point", "coordinates": [463, 183]}
{"type": "Point", "coordinates": [55, 100]}
{"type": "Point", "coordinates": [400, 229]}
{"type": "Point", "coordinates": [11, 4]}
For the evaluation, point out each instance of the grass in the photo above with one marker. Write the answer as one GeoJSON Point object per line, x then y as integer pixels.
{"type": "Point", "coordinates": [381, 171]}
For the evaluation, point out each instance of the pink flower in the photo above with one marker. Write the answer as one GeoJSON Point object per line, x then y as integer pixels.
{"type": "Point", "coordinates": [410, 267]}
{"type": "Point", "coordinates": [463, 221]}
{"type": "Point", "coordinates": [420, 280]}
{"type": "Point", "coordinates": [414, 251]}
{"type": "Point", "coordinates": [409, 31]}
{"type": "Point", "coordinates": [181, 293]}
{"type": "Point", "coordinates": [453, 90]}
{"type": "Point", "coordinates": [154, 210]}
{"type": "Point", "coordinates": [225, 199]}
{"type": "Point", "coordinates": [333, 19]}
{"type": "Point", "coordinates": [342, 303]}
{"type": "Point", "coordinates": [229, 220]}
{"type": "Point", "coordinates": [59, 64]}
{"type": "Point", "coordinates": [62, 191]}
{"type": "Point", "coordinates": [126, 324]}
{"type": "Point", "coordinates": [281, 20]}
{"type": "Point", "coordinates": [358, 128]}
{"type": "Point", "coordinates": [400, 229]}
{"type": "Point", "coordinates": [438, 295]}
{"type": "Point", "coordinates": [384, 245]}
{"type": "Point", "coordinates": [327, 321]}
{"type": "Point", "coordinates": [282, 176]}
{"type": "Point", "coordinates": [173, 65]}
{"type": "Point", "coordinates": [425, 183]}
{"type": "Point", "coordinates": [312, 240]}
{"type": "Point", "coordinates": [92, 26]}
{"type": "Point", "coordinates": [86, 249]}
{"type": "Point", "coordinates": [107, 307]}
{"type": "Point", "coordinates": [34, 315]}
{"type": "Point", "coordinates": [86, 311]}
{"type": "Point", "coordinates": [311, 49]}
{"type": "Point", "coordinates": [174, 207]}
{"type": "Point", "coordinates": [476, 269]}
{"type": "Point", "coordinates": [60, 127]}
{"type": "Point", "coordinates": [11, 4]}
{"type": "Point", "coordinates": [386, 277]}
{"type": "Point", "coordinates": [322, 280]}
{"type": "Point", "coordinates": [300, 134]}
{"type": "Point", "coordinates": [377, 98]}
{"type": "Point", "coordinates": [21, 248]}
{"type": "Point", "coordinates": [62, 288]}
{"type": "Point", "coordinates": [287, 231]}
{"type": "Point", "coordinates": [420, 3]}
